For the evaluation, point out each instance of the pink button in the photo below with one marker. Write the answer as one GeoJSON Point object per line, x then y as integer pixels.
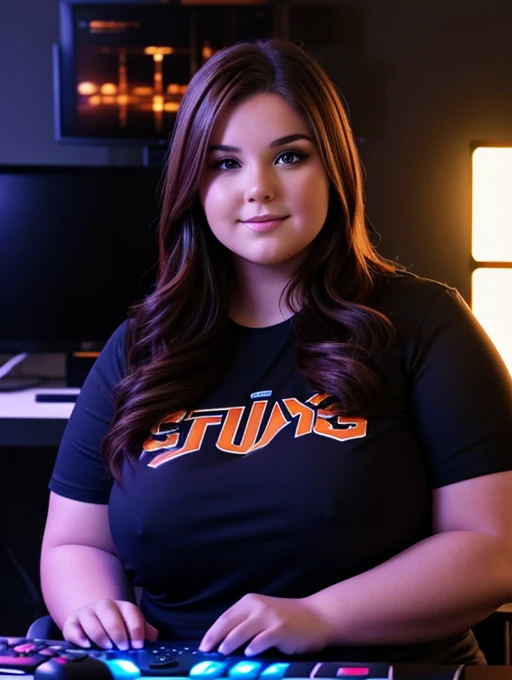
{"type": "Point", "coordinates": [24, 648]}
{"type": "Point", "coordinates": [352, 671]}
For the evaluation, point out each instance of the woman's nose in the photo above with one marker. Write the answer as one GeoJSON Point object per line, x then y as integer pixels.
{"type": "Point", "coordinates": [260, 187]}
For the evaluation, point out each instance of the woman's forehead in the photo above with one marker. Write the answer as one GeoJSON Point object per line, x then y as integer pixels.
{"type": "Point", "coordinates": [263, 115]}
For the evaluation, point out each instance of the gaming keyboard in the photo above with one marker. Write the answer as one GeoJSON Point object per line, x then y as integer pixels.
{"type": "Point", "coordinates": [57, 660]}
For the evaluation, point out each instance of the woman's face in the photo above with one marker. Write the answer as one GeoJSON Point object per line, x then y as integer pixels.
{"type": "Point", "coordinates": [264, 190]}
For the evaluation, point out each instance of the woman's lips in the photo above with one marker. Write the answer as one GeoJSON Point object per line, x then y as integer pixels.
{"type": "Point", "coordinates": [265, 225]}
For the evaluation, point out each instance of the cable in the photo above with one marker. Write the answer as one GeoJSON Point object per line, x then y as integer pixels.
{"type": "Point", "coordinates": [11, 363]}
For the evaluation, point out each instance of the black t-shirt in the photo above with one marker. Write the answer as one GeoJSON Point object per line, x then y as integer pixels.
{"type": "Point", "coordinates": [259, 489]}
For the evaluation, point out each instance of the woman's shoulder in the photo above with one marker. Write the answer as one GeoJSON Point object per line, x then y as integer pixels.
{"type": "Point", "coordinates": [118, 337]}
{"type": "Point", "coordinates": [411, 295]}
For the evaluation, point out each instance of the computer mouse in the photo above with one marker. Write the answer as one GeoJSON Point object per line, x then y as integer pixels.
{"type": "Point", "coordinates": [86, 667]}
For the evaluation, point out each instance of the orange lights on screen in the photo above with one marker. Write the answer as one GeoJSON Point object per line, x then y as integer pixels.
{"type": "Point", "coordinates": [108, 89]}
{"type": "Point", "coordinates": [156, 97]}
{"type": "Point", "coordinates": [158, 103]}
{"type": "Point", "coordinates": [142, 91]}
{"type": "Point", "coordinates": [98, 26]}
{"type": "Point", "coordinates": [87, 88]}
{"type": "Point", "coordinates": [156, 51]}
{"type": "Point", "coordinates": [207, 51]}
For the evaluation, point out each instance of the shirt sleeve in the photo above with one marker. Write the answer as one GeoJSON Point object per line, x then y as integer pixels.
{"type": "Point", "coordinates": [461, 394]}
{"type": "Point", "coordinates": [79, 472]}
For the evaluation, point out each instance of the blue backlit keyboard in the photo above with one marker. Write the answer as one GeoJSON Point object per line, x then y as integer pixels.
{"type": "Point", "coordinates": [164, 659]}
{"type": "Point", "coordinates": [57, 660]}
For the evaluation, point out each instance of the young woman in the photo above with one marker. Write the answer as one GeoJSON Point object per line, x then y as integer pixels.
{"type": "Point", "coordinates": [304, 449]}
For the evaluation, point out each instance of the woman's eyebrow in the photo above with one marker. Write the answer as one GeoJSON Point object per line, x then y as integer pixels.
{"type": "Point", "coordinates": [280, 141]}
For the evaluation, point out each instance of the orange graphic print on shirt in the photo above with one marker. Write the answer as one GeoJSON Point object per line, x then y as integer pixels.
{"type": "Point", "coordinates": [183, 432]}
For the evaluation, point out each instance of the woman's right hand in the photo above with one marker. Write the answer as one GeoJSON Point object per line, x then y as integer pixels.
{"type": "Point", "coordinates": [109, 624]}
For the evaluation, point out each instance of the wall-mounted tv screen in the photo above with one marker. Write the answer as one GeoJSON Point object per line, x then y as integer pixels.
{"type": "Point", "coordinates": [78, 245]}
{"type": "Point", "coordinates": [121, 68]}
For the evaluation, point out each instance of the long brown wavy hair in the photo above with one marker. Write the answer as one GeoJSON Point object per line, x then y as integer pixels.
{"type": "Point", "coordinates": [178, 344]}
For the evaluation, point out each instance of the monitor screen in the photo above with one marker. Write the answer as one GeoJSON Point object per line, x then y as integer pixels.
{"type": "Point", "coordinates": [121, 68]}
{"type": "Point", "coordinates": [78, 245]}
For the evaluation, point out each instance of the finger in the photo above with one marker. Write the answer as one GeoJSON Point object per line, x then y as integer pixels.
{"type": "Point", "coordinates": [262, 641]}
{"type": "Point", "coordinates": [220, 629]}
{"type": "Point", "coordinates": [112, 620]}
{"type": "Point", "coordinates": [93, 628]}
{"type": "Point", "coordinates": [134, 622]}
{"type": "Point", "coordinates": [239, 635]}
{"type": "Point", "coordinates": [73, 632]}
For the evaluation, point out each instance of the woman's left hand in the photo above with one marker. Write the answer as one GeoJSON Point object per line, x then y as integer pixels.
{"type": "Point", "coordinates": [289, 625]}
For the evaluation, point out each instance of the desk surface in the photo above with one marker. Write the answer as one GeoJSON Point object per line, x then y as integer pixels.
{"type": "Point", "coordinates": [27, 422]}
{"type": "Point", "coordinates": [23, 404]}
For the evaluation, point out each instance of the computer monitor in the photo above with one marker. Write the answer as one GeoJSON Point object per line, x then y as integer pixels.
{"type": "Point", "coordinates": [78, 245]}
{"type": "Point", "coordinates": [121, 67]}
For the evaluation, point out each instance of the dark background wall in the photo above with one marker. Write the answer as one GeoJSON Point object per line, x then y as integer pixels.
{"type": "Point", "coordinates": [445, 71]}
{"type": "Point", "coordinates": [428, 78]}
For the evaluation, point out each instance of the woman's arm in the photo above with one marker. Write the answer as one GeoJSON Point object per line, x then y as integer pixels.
{"type": "Point", "coordinates": [83, 582]}
{"type": "Point", "coordinates": [437, 587]}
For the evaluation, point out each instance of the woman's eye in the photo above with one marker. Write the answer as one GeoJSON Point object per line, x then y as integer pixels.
{"type": "Point", "coordinates": [226, 164]}
{"type": "Point", "coordinates": [290, 157]}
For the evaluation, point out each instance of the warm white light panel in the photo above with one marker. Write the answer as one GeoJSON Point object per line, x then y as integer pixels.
{"type": "Point", "coordinates": [492, 204]}
{"type": "Point", "coordinates": [492, 305]}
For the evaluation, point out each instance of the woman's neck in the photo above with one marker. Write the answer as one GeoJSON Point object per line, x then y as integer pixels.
{"type": "Point", "coordinates": [256, 299]}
